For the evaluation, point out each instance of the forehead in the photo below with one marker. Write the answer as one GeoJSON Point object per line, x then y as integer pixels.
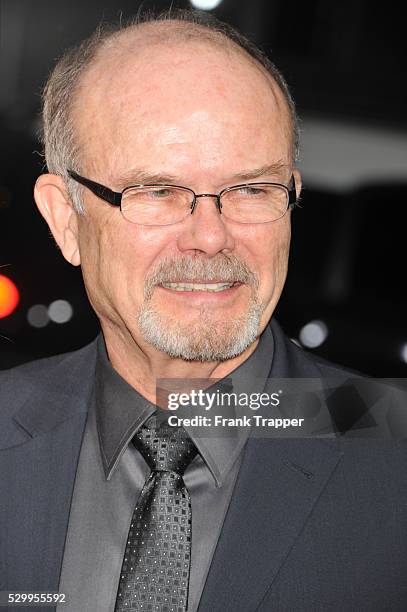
{"type": "Point", "coordinates": [160, 98]}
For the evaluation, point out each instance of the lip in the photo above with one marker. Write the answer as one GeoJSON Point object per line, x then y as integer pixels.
{"type": "Point", "coordinates": [203, 297]}
{"type": "Point", "coordinates": [202, 282]}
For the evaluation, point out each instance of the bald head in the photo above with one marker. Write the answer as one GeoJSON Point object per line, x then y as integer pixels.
{"type": "Point", "coordinates": [126, 54]}
{"type": "Point", "coordinates": [174, 92]}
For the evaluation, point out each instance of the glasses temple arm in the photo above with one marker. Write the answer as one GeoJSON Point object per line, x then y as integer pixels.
{"type": "Point", "coordinates": [113, 197]}
{"type": "Point", "coordinates": [292, 192]}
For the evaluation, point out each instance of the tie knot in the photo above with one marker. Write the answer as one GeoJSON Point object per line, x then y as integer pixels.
{"type": "Point", "coordinates": [163, 447]}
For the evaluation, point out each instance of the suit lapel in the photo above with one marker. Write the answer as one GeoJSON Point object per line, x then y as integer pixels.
{"type": "Point", "coordinates": [279, 483]}
{"type": "Point", "coordinates": [40, 465]}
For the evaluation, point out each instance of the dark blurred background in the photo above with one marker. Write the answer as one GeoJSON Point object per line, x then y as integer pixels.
{"type": "Point", "coordinates": [345, 296]}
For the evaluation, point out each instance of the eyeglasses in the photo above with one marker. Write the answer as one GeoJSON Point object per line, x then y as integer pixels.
{"type": "Point", "coordinates": [169, 204]}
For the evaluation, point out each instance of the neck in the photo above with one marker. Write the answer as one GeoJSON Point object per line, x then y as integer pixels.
{"type": "Point", "coordinates": [141, 365]}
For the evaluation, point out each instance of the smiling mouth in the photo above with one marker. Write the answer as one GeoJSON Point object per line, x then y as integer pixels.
{"type": "Point", "coordinates": [211, 287]}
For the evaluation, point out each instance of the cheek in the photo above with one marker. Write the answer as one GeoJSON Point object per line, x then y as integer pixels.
{"type": "Point", "coordinates": [268, 249]}
{"type": "Point", "coordinates": [117, 256]}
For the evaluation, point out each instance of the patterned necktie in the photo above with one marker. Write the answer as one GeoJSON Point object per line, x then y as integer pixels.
{"type": "Point", "coordinates": [155, 570]}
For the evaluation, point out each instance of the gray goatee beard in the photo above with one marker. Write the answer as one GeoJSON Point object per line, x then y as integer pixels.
{"type": "Point", "coordinates": [205, 339]}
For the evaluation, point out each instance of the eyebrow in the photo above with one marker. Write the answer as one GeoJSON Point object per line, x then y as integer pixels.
{"type": "Point", "coordinates": [142, 177]}
{"type": "Point", "coordinates": [276, 168]}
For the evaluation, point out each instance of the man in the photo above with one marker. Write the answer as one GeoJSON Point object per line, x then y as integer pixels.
{"type": "Point", "coordinates": [170, 146]}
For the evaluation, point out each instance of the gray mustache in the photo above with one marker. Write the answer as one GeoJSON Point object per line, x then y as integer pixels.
{"type": "Point", "coordinates": [224, 267]}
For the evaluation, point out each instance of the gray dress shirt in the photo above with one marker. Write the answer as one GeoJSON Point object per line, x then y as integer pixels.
{"type": "Point", "coordinates": [111, 473]}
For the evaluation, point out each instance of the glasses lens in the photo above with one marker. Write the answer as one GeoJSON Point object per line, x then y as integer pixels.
{"type": "Point", "coordinates": [255, 203]}
{"type": "Point", "coordinates": [158, 205]}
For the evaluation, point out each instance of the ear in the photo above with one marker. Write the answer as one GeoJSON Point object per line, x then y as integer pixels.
{"type": "Point", "coordinates": [54, 204]}
{"type": "Point", "coordinates": [298, 182]}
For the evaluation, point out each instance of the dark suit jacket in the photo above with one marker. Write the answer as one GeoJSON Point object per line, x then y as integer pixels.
{"type": "Point", "coordinates": [313, 525]}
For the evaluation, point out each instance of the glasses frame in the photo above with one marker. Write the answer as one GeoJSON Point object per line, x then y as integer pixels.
{"type": "Point", "coordinates": [115, 197]}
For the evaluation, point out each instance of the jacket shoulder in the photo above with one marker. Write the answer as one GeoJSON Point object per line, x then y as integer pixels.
{"type": "Point", "coordinates": [329, 368]}
{"type": "Point", "coordinates": [293, 361]}
{"type": "Point", "coordinates": [58, 374]}
{"type": "Point", "coordinates": [47, 364]}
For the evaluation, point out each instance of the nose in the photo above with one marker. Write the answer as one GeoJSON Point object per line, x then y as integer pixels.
{"type": "Point", "coordinates": [205, 229]}
{"type": "Point", "coordinates": [207, 195]}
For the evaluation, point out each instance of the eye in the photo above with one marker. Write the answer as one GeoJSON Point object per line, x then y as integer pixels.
{"type": "Point", "coordinates": [250, 190]}
{"type": "Point", "coordinates": [159, 192]}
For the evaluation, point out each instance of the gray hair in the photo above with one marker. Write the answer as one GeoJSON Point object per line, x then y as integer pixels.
{"type": "Point", "coordinates": [61, 148]}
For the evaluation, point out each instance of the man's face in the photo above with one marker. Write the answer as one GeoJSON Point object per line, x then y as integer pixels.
{"type": "Point", "coordinates": [195, 116]}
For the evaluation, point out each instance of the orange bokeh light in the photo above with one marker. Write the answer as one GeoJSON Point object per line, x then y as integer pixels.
{"type": "Point", "coordinates": [9, 296]}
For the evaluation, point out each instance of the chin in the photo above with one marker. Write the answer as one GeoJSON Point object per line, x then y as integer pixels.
{"type": "Point", "coordinates": [200, 338]}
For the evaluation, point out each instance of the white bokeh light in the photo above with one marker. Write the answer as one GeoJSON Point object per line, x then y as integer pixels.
{"type": "Point", "coordinates": [403, 352]}
{"type": "Point", "coordinates": [313, 334]}
{"type": "Point", "coordinates": [37, 316]}
{"type": "Point", "coordinates": [60, 311]}
{"type": "Point", "coordinates": [205, 5]}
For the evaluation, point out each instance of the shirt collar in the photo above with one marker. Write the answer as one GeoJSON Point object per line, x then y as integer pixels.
{"type": "Point", "coordinates": [121, 410]}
